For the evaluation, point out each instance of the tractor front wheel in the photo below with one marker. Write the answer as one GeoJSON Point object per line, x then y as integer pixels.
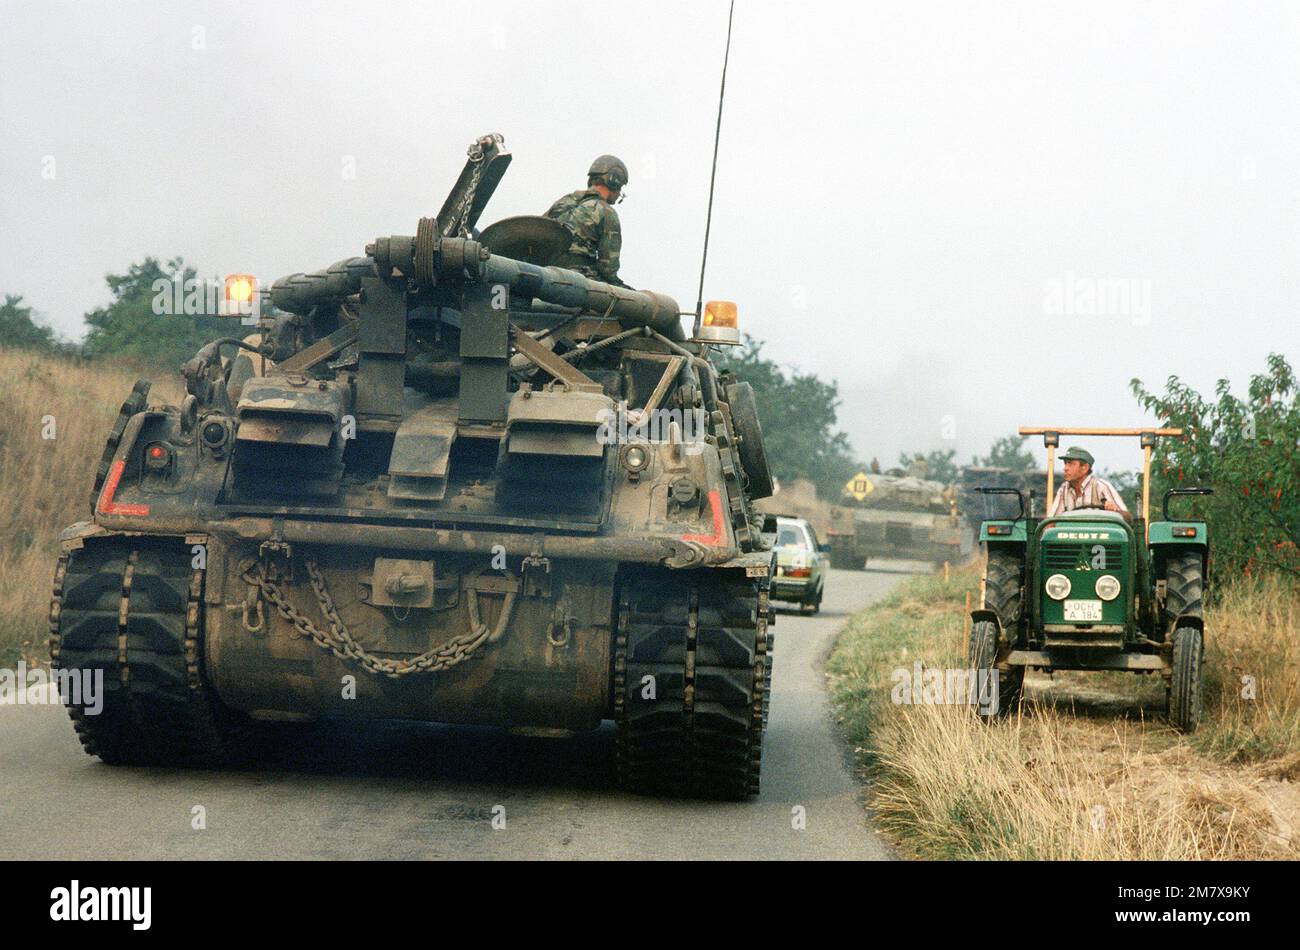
{"type": "Point", "coordinates": [1185, 687]}
{"type": "Point", "coordinates": [983, 657]}
{"type": "Point", "coordinates": [1002, 587]}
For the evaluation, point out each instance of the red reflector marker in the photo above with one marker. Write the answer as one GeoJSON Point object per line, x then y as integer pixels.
{"type": "Point", "coordinates": [719, 526]}
{"type": "Point", "coordinates": [106, 504]}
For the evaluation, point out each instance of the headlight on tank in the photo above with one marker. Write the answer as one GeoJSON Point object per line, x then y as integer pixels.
{"type": "Point", "coordinates": [1108, 587]}
{"type": "Point", "coordinates": [1057, 587]}
{"type": "Point", "coordinates": [636, 458]}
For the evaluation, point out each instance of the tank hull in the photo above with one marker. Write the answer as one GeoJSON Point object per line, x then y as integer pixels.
{"type": "Point", "coordinates": [550, 667]}
{"type": "Point", "coordinates": [907, 535]}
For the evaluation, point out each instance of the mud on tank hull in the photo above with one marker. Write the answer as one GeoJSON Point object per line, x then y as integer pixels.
{"type": "Point", "coordinates": [544, 661]}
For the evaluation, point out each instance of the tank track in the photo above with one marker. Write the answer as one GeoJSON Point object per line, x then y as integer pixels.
{"type": "Point", "coordinates": [133, 608]}
{"type": "Point", "coordinates": [704, 643]}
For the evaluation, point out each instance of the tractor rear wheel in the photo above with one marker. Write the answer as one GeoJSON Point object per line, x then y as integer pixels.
{"type": "Point", "coordinates": [1185, 688]}
{"type": "Point", "coordinates": [982, 656]}
{"type": "Point", "coordinates": [1184, 587]}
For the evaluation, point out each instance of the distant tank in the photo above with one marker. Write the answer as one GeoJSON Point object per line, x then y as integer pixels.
{"type": "Point", "coordinates": [895, 515]}
{"type": "Point", "coordinates": [421, 492]}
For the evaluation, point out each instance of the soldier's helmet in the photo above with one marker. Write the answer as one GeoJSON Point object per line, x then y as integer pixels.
{"type": "Point", "coordinates": [610, 171]}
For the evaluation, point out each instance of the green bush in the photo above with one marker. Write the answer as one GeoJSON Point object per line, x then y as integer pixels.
{"type": "Point", "coordinates": [20, 330]}
{"type": "Point", "coordinates": [131, 328]}
{"type": "Point", "coordinates": [1246, 450]}
{"type": "Point", "coordinates": [798, 413]}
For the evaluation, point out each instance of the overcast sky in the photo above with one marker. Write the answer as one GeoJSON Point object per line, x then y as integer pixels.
{"type": "Point", "coordinates": [971, 216]}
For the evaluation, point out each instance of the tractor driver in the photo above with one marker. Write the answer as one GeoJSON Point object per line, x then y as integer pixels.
{"type": "Point", "coordinates": [1082, 488]}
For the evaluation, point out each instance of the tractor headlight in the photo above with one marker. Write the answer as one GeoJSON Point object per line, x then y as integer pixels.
{"type": "Point", "coordinates": [1108, 587]}
{"type": "Point", "coordinates": [1057, 587]}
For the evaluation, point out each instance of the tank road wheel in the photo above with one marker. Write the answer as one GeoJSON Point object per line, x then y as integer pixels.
{"type": "Point", "coordinates": [132, 610]}
{"type": "Point", "coordinates": [753, 454]}
{"type": "Point", "coordinates": [1184, 696]}
{"type": "Point", "coordinates": [690, 679]}
{"type": "Point", "coordinates": [982, 656]}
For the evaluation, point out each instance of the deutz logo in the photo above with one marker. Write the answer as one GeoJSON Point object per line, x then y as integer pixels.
{"type": "Point", "coordinates": [1083, 535]}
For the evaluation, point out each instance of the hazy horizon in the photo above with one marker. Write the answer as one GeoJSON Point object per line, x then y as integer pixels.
{"type": "Point", "coordinates": [970, 218]}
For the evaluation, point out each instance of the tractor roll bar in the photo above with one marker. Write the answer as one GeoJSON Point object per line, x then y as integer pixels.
{"type": "Point", "coordinates": [1052, 439]}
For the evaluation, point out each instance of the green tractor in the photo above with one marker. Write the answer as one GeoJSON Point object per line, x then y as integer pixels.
{"type": "Point", "coordinates": [1089, 589]}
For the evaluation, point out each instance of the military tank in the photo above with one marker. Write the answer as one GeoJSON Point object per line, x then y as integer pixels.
{"type": "Point", "coordinates": [431, 489]}
{"type": "Point", "coordinates": [896, 515]}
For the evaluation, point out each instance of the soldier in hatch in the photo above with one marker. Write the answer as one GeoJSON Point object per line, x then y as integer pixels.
{"type": "Point", "coordinates": [590, 216]}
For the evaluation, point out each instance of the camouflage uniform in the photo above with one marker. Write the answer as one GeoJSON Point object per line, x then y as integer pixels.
{"type": "Point", "coordinates": [597, 238]}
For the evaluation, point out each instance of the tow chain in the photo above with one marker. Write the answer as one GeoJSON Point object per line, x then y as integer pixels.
{"type": "Point", "coordinates": [340, 642]}
{"type": "Point", "coordinates": [461, 211]}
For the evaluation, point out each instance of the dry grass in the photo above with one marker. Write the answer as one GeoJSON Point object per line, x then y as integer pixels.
{"type": "Point", "coordinates": [1087, 767]}
{"type": "Point", "coordinates": [46, 482]}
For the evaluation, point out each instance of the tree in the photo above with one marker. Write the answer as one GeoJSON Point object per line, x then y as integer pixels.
{"type": "Point", "coordinates": [1247, 451]}
{"type": "Point", "coordinates": [19, 329]}
{"type": "Point", "coordinates": [142, 321]}
{"type": "Point", "coordinates": [798, 415]}
{"type": "Point", "coordinates": [1008, 452]}
{"type": "Point", "coordinates": [1128, 483]}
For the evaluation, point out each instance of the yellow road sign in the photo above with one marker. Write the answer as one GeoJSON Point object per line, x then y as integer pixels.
{"type": "Point", "coordinates": [859, 486]}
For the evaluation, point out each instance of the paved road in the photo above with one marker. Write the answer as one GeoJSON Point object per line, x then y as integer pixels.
{"type": "Point", "coordinates": [405, 791]}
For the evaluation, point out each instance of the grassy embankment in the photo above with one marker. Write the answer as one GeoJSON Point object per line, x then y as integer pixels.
{"type": "Point", "coordinates": [1086, 768]}
{"type": "Point", "coordinates": [45, 482]}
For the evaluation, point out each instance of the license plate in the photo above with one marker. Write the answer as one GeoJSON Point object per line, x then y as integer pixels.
{"type": "Point", "coordinates": [1083, 610]}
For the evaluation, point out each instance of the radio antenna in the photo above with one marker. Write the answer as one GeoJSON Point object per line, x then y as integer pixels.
{"type": "Point", "coordinates": [713, 175]}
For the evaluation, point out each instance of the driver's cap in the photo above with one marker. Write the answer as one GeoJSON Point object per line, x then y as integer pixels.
{"type": "Point", "coordinates": [1076, 453]}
